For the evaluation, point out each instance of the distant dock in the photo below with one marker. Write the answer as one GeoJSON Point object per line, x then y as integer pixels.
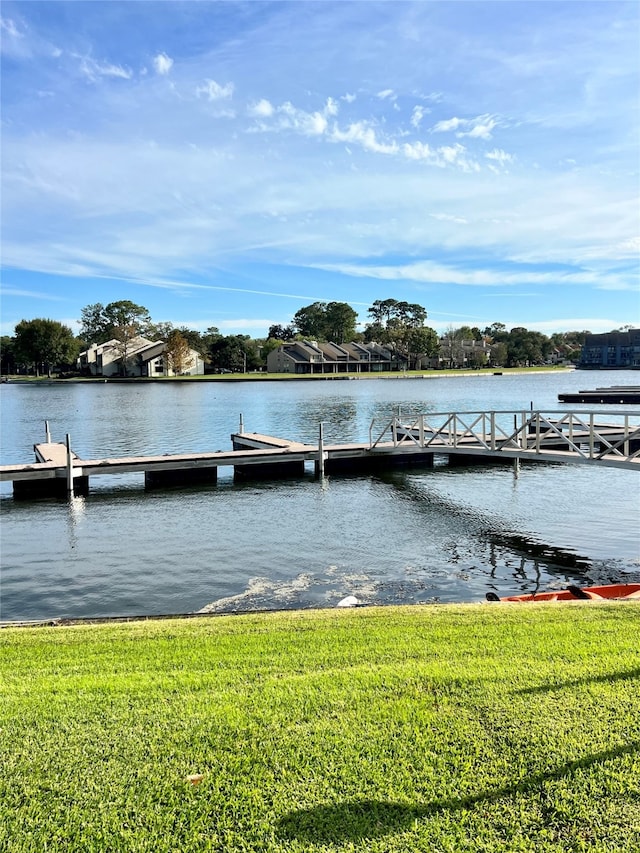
{"type": "Point", "coordinates": [620, 394]}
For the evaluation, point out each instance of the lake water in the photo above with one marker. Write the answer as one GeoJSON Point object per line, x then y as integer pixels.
{"type": "Point", "coordinates": [416, 536]}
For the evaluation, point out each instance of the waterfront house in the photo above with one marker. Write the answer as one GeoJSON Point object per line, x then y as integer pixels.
{"type": "Point", "coordinates": [309, 357]}
{"type": "Point", "coordinates": [144, 358]}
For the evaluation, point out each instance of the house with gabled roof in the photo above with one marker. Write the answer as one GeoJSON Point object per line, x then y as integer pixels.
{"type": "Point", "coordinates": [144, 358]}
{"type": "Point", "coordinates": [310, 357]}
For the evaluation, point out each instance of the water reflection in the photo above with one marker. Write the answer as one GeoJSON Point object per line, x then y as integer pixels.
{"type": "Point", "coordinates": [76, 507]}
{"type": "Point", "coordinates": [409, 537]}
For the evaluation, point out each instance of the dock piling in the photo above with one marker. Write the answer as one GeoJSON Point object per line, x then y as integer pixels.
{"type": "Point", "coordinates": [69, 467]}
{"type": "Point", "coordinates": [321, 450]}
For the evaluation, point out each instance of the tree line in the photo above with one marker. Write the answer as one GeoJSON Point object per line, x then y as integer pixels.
{"type": "Point", "coordinates": [43, 346]}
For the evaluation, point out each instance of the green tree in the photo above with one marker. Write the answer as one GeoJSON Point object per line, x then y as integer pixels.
{"type": "Point", "coordinates": [45, 344]}
{"type": "Point", "coordinates": [422, 342]}
{"type": "Point", "coordinates": [382, 311]}
{"type": "Point", "coordinates": [236, 353]}
{"type": "Point", "coordinates": [280, 333]}
{"type": "Point", "coordinates": [100, 323]}
{"type": "Point", "coordinates": [340, 322]}
{"type": "Point", "coordinates": [8, 362]}
{"type": "Point", "coordinates": [93, 325]}
{"type": "Point", "coordinates": [499, 354]}
{"type": "Point", "coordinates": [159, 331]}
{"type": "Point", "coordinates": [527, 348]}
{"type": "Point", "coordinates": [400, 325]}
{"type": "Point", "coordinates": [310, 321]}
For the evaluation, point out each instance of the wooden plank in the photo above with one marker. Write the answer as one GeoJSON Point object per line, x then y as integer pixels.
{"type": "Point", "coordinates": [53, 452]}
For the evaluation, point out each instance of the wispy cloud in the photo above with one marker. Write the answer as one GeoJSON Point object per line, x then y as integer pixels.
{"type": "Point", "coordinates": [8, 26]}
{"type": "Point", "coordinates": [427, 272]}
{"type": "Point", "coordinates": [31, 294]}
{"type": "Point", "coordinates": [215, 91]}
{"type": "Point", "coordinates": [94, 70]}
{"type": "Point", "coordinates": [480, 127]}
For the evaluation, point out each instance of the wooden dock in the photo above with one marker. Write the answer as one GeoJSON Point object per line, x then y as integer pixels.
{"type": "Point", "coordinates": [462, 438]}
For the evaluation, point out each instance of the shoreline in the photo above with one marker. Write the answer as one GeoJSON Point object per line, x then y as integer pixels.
{"type": "Point", "coordinates": [283, 377]}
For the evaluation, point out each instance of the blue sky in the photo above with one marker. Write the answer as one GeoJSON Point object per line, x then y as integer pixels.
{"type": "Point", "coordinates": [225, 164]}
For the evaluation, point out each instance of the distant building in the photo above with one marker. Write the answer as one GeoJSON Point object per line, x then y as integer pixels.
{"type": "Point", "coordinates": [458, 352]}
{"type": "Point", "coordinates": [612, 350]}
{"type": "Point", "coordinates": [309, 357]}
{"type": "Point", "coordinates": [144, 358]}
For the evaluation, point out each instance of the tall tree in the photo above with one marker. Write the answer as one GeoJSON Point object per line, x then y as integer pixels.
{"type": "Point", "coordinates": [45, 344]}
{"type": "Point", "coordinates": [310, 321]}
{"type": "Point", "coordinates": [99, 323]}
{"type": "Point", "coordinates": [340, 322]}
{"type": "Point", "coordinates": [194, 338]}
{"type": "Point", "coordinates": [280, 333]}
{"type": "Point", "coordinates": [232, 352]}
{"type": "Point", "coordinates": [400, 325]}
{"type": "Point", "coordinates": [178, 353]}
{"type": "Point", "coordinates": [422, 342]}
{"type": "Point", "coordinates": [7, 355]}
{"type": "Point", "coordinates": [93, 324]}
{"type": "Point", "coordinates": [325, 321]}
{"type": "Point", "coordinates": [159, 331]}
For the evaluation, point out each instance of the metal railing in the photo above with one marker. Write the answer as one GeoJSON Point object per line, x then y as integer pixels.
{"type": "Point", "coordinates": [595, 436]}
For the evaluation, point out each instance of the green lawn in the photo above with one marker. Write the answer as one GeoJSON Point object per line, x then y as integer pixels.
{"type": "Point", "coordinates": [435, 728]}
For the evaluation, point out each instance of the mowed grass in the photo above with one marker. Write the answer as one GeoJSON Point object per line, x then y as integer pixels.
{"type": "Point", "coordinates": [436, 728]}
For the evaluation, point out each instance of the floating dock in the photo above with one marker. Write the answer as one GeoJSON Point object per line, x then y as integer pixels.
{"type": "Point", "coordinates": [457, 438]}
{"type": "Point", "coordinates": [620, 394]}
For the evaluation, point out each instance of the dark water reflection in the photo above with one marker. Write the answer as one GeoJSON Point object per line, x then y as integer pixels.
{"type": "Point", "coordinates": [407, 537]}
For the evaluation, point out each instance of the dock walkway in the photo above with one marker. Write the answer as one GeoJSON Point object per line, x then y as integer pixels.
{"type": "Point", "coordinates": [467, 438]}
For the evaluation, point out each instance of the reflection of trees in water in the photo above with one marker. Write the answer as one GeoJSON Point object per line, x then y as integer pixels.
{"type": "Point", "coordinates": [487, 547]}
{"type": "Point", "coordinates": [347, 418]}
{"type": "Point", "coordinates": [340, 419]}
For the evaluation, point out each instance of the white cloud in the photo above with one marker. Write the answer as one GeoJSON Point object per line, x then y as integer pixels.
{"type": "Point", "coordinates": [449, 124]}
{"type": "Point", "coordinates": [362, 134]}
{"type": "Point", "coordinates": [386, 93]}
{"type": "Point", "coordinates": [429, 272]}
{"type": "Point", "coordinates": [162, 63]}
{"type": "Point", "coordinates": [309, 124]}
{"type": "Point", "coordinates": [331, 107]}
{"type": "Point", "coordinates": [31, 294]}
{"type": "Point", "coordinates": [261, 109]}
{"type": "Point", "coordinates": [445, 155]}
{"type": "Point", "coordinates": [94, 70]}
{"type": "Point", "coordinates": [10, 28]}
{"type": "Point", "coordinates": [349, 98]}
{"type": "Point", "coordinates": [447, 217]}
{"type": "Point", "coordinates": [479, 127]}
{"type": "Point", "coordinates": [499, 155]}
{"type": "Point", "coordinates": [479, 130]}
{"type": "Point", "coordinates": [579, 324]}
{"type": "Point", "coordinates": [418, 114]}
{"type": "Point", "coordinates": [214, 91]}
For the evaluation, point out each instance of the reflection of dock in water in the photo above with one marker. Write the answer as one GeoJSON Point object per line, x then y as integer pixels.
{"type": "Point", "coordinates": [462, 438]}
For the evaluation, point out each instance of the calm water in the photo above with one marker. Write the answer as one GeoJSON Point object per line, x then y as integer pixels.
{"type": "Point", "coordinates": [411, 537]}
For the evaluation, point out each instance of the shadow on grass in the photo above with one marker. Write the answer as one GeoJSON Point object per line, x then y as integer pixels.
{"type": "Point", "coordinates": [359, 819]}
{"type": "Point", "coordinates": [624, 675]}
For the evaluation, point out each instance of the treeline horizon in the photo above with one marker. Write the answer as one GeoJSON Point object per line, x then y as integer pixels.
{"type": "Point", "coordinates": [42, 345]}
